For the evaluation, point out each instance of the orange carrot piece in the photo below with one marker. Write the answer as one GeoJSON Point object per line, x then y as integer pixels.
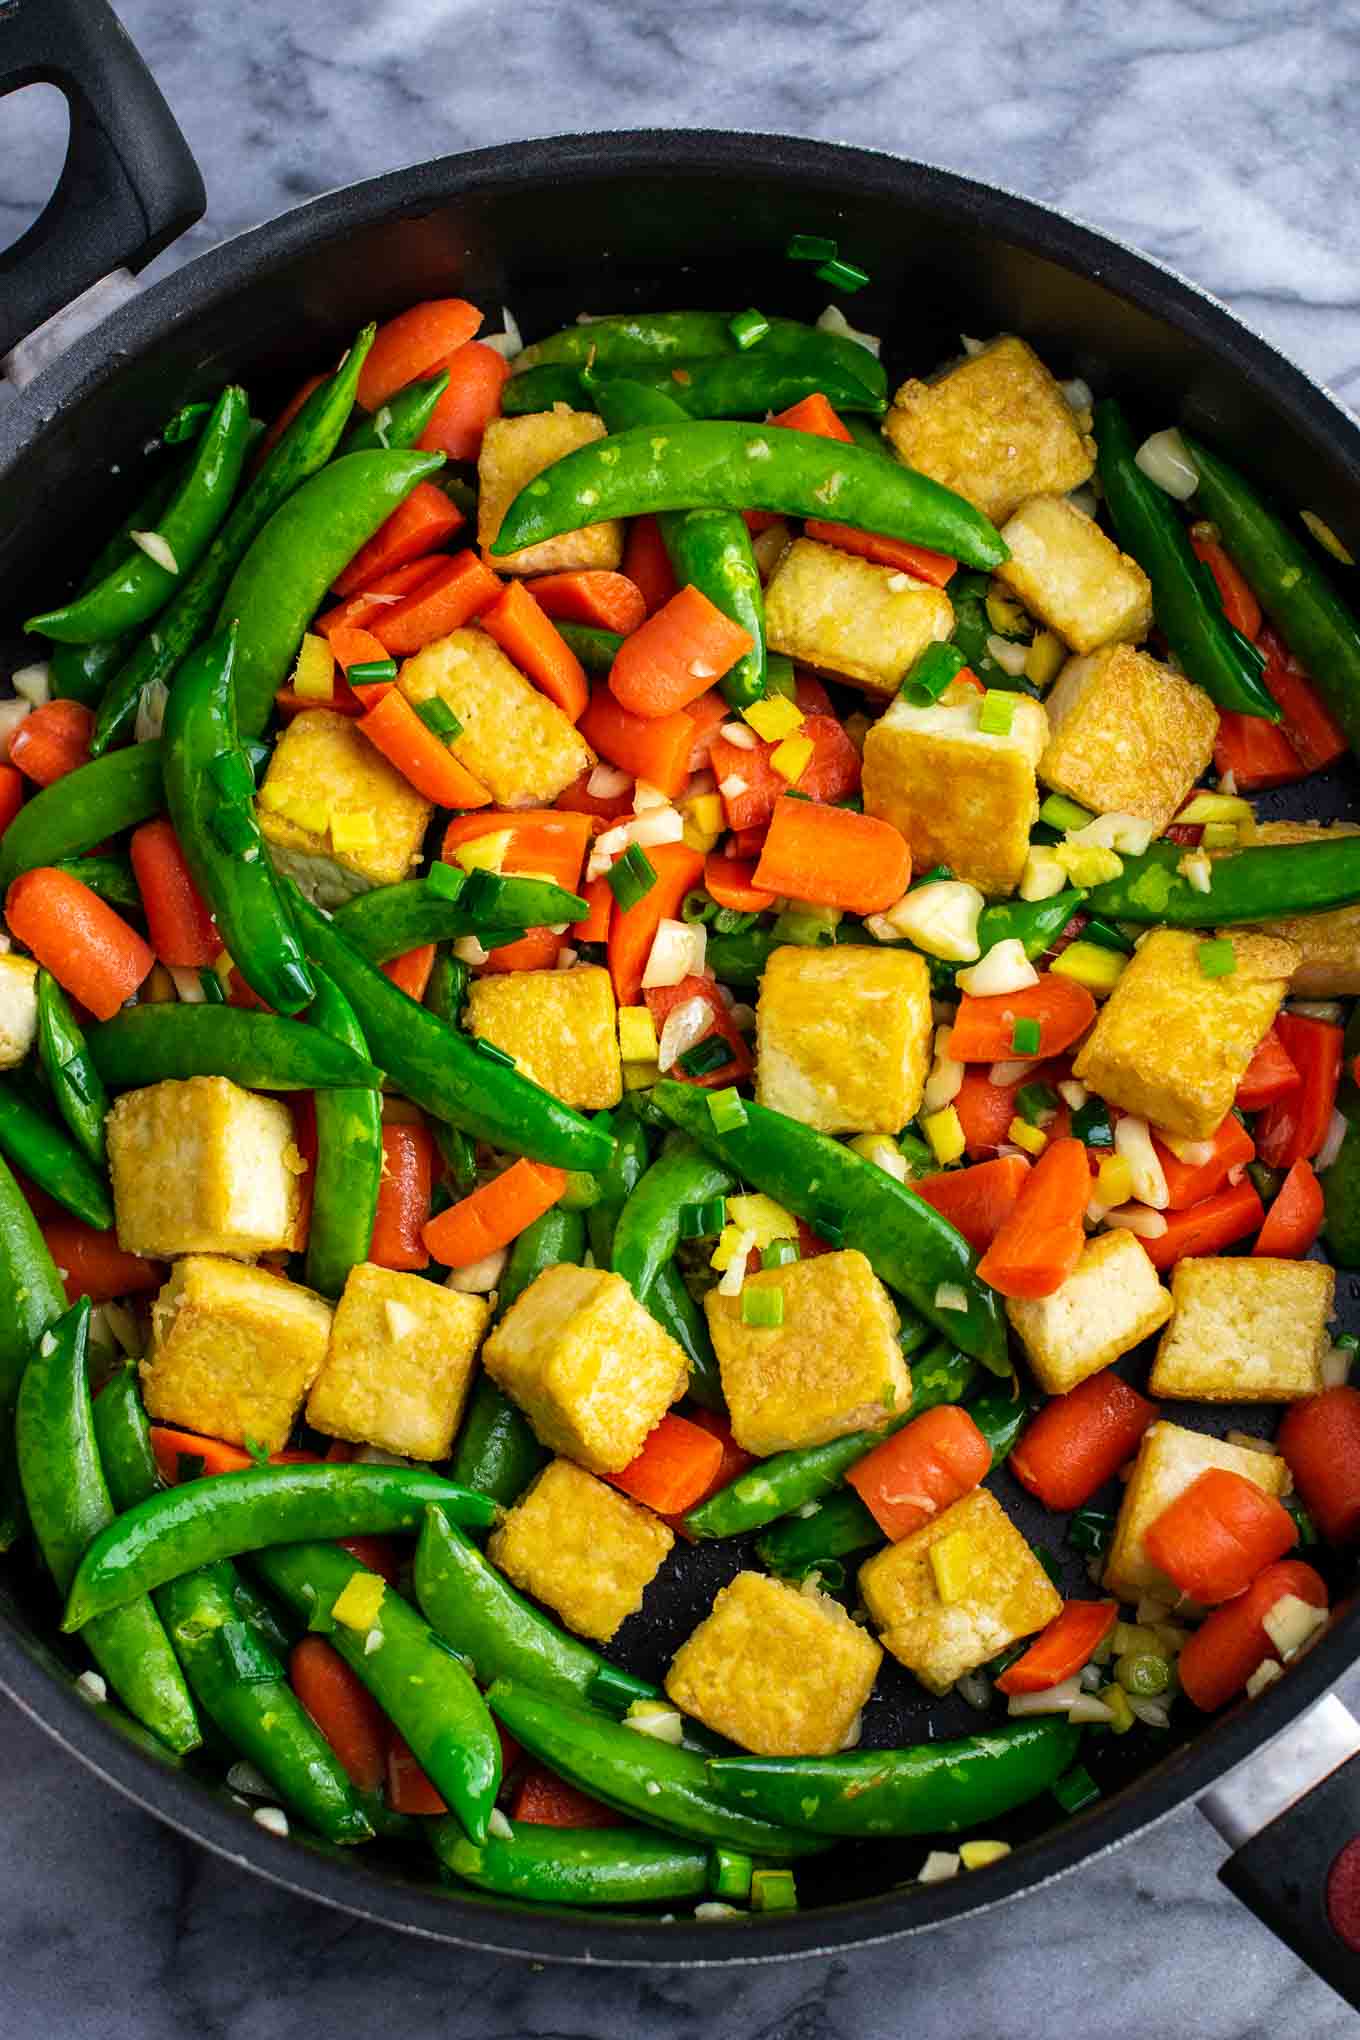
{"type": "Point", "coordinates": [442, 601]}
{"type": "Point", "coordinates": [355, 647]}
{"type": "Point", "coordinates": [91, 951]}
{"type": "Point", "coordinates": [408, 1788]}
{"type": "Point", "coordinates": [542, 1799]}
{"type": "Point", "coordinates": [675, 1466]}
{"type": "Point", "coordinates": [91, 1263]}
{"type": "Point", "coordinates": [656, 749]}
{"type": "Point", "coordinates": [1218, 1534]}
{"type": "Point", "coordinates": [1040, 1244]}
{"type": "Point", "coordinates": [1188, 1183]}
{"type": "Point", "coordinates": [917, 560]}
{"type": "Point", "coordinates": [907, 1480]}
{"type": "Point", "coordinates": [535, 949]}
{"type": "Point", "coordinates": [403, 1198]}
{"type": "Point", "coordinates": [1319, 1441]}
{"type": "Point", "coordinates": [178, 918]}
{"type": "Point", "coordinates": [495, 1214]}
{"type": "Point", "coordinates": [417, 526]}
{"type": "Point", "coordinates": [413, 345]}
{"type": "Point", "coordinates": [11, 794]}
{"type": "Point", "coordinates": [1080, 1440]}
{"type": "Point", "coordinates": [600, 901]}
{"type": "Point", "coordinates": [833, 857]}
{"type": "Point", "coordinates": [543, 841]}
{"type": "Point", "coordinates": [676, 655]}
{"type": "Point", "coordinates": [1225, 1650]}
{"type": "Point", "coordinates": [594, 596]}
{"type": "Point", "coordinates": [342, 1708]}
{"type": "Point", "coordinates": [977, 1201]}
{"type": "Point", "coordinates": [1060, 1651]}
{"type": "Point", "coordinates": [984, 1029]}
{"type": "Point", "coordinates": [477, 376]}
{"type": "Point", "coordinates": [1294, 1220]}
{"type": "Point", "coordinates": [171, 1445]}
{"type": "Point", "coordinates": [380, 598]}
{"type": "Point", "coordinates": [814, 414]}
{"type": "Point", "coordinates": [631, 933]}
{"type": "Point", "coordinates": [52, 741]}
{"type": "Point", "coordinates": [732, 1462]}
{"type": "Point", "coordinates": [285, 418]}
{"type": "Point", "coordinates": [393, 727]}
{"type": "Point", "coordinates": [1206, 1228]}
{"type": "Point", "coordinates": [728, 880]}
{"type": "Point", "coordinates": [529, 637]}
{"type": "Point", "coordinates": [985, 1112]}
{"type": "Point", "coordinates": [646, 563]}
{"type": "Point", "coordinates": [410, 972]}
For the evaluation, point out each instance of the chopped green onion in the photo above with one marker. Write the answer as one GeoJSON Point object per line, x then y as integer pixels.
{"type": "Point", "coordinates": [810, 248]}
{"type": "Point", "coordinates": [729, 921]}
{"type": "Point", "coordinates": [1090, 1531]}
{"type": "Point", "coordinates": [256, 755]}
{"type": "Point", "coordinates": [446, 881]}
{"type": "Point", "coordinates": [367, 671]}
{"type": "Point", "coordinates": [632, 877]}
{"type": "Point", "coordinates": [187, 423]}
{"type": "Point", "coordinates": [703, 1221]}
{"type": "Point", "coordinates": [996, 714]}
{"type": "Point", "coordinates": [435, 714]}
{"type": "Point", "coordinates": [916, 1153]}
{"type": "Point", "coordinates": [706, 1056]}
{"type": "Point", "coordinates": [730, 1875]}
{"type": "Point", "coordinates": [492, 1053]}
{"type": "Point", "coordinates": [926, 678]}
{"type": "Point", "coordinates": [780, 1253]}
{"type": "Point", "coordinates": [1061, 813]}
{"type": "Point", "coordinates": [696, 907]}
{"type": "Point", "coordinates": [763, 1307]}
{"type": "Point", "coordinates": [1075, 1789]}
{"type": "Point", "coordinates": [1025, 1036]}
{"type": "Point", "coordinates": [1092, 1125]}
{"type": "Point", "coordinates": [807, 927]}
{"type": "Point", "coordinates": [828, 1222]}
{"type": "Point", "coordinates": [1105, 935]}
{"type": "Point", "coordinates": [1217, 959]}
{"type": "Point", "coordinates": [1036, 1102]}
{"type": "Point", "coordinates": [726, 1110]}
{"type": "Point", "coordinates": [236, 829]}
{"type": "Point", "coordinates": [748, 327]}
{"type": "Point", "coordinates": [1269, 1182]}
{"type": "Point", "coordinates": [937, 875]}
{"type": "Point", "coordinates": [779, 674]}
{"type": "Point", "coordinates": [853, 803]}
{"type": "Point", "coordinates": [1143, 1673]}
{"type": "Point", "coordinates": [773, 1891]}
{"type": "Point", "coordinates": [841, 275]}
{"type": "Point", "coordinates": [213, 994]}
{"type": "Point", "coordinates": [1303, 1522]}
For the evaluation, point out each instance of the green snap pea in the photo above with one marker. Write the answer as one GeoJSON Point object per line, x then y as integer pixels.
{"type": "Point", "coordinates": [931, 1788]}
{"type": "Point", "coordinates": [109, 876]}
{"type": "Point", "coordinates": [312, 536]}
{"type": "Point", "coordinates": [1256, 884]}
{"type": "Point", "coordinates": [718, 466]}
{"type": "Point", "coordinates": [973, 629]}
{"type": "Point", "coordinates": [439, 1068]}
{"type": "Point", "coordinates": [400, 421]}
{"type": "Point", "coordinates": [497, 1453]}
{"type": "Point", "coordinates": [259, 1051]}
{"type": "Point", "coordinates": [1189, 613]}
{"type": "Point", "coordinates": [908, 1245]}
{"type": "Point", "coordinates": [575, 1866]}
{"type": "Point", "coordinates": [211, 794]}
{"type": "Point", "coordinates": [617, 1180]}
{"type": "Point", "coordinates": [1036, 923]}
{"type": "Point", "coordinates": [83, 808]}
{"type": "Point", "coordinates": [394, 918]}
{"type": "Point", "coordinates": [799, 1544]}
{"type": "Point", "coordinates": [660, 339]}
{"type": "Point", "coordinates": [68, 1505]}
{"type": "Point", "coordinates": [123, 1440]}
{"type": "Point", "coordinates": [725, 386]}
{"type": "Point", "coordinates": [81, 672]}
{"type": "Point", "coordinates": [77, 1089]}
{"type": "Point", "coordinates": [139, 585]}
{"type": "Point", "coordinates": [1000, 1418]}
{"type": "Point", "coordinates": [659, 1783]}
{"type": "Point", "coordinates": [349, 1156]}
{"type": "Point", "coordinates": [558, 1235]}
{"type": "Point", "coordinates": [424, 1690]}
{"type": "Point", "coordinates": [47, 1154]}
{"type": "Point", "coordinates": [1341, 1200]}
{"type": "Point", "coordinates": [648, 1228]}
{"type": "Point", "coordinates": [675, 1310]}
{"type": "Point", "coordinates": [446, 995]}
{"type": "Point", "coordinates": [202, 1521]}
{"type": "Point", "coordinates": [596, 649]}
{"type": "Point", "coordinates": [31, 1299]}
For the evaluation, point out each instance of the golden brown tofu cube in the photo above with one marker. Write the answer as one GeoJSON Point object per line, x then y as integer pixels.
{"type": "Point", "coordinates": [18, 1009]}
{"type": "Point", "coordinates": [592, 1370]}
{"type": "Point", "coordinates": [832, 1366]}
{"type": "Point", "coordinates": [1110, 1302]}
{"type": "Point", "coordinates": [1073, 578]}
{"type": "Point", "coordinates": [583, 1549]}
{"type": "Point", "coordinates": [1328, 944]}
{"type": "Point", "coordinates": [336, 816]}
{"type": "Point", "coordinates": [1171, 1044]}
{"type": "Point", "coordinates": [1246, 1329]}
{"type": "Point", "coordinates": [514, 450]}
{"type": "Point", "coordinates": [1126, 735]}
{"type": "Point", "coordinates": [999, 1592]}
{"type": "Point", "coordinates": [399, 1363]}
{"type": "Point", "coordinates": [203, 1167]}
{"type": "Point", "coordinates": [515, 741]}
{"type": "Point", "coordinates": [561, 1026]}
{"type": "Point", "coordinates": [843, 1037]}
{"type": "Point", "coordinates": [1170, 1459]}
{"type": "Point", "coordinates": [233, 1351]}
{"type": "Point", "coordinates": [776, 1670]}
{"type": "Point", "coordinates": [996, 428]}
{"type": "Point", "coordinates": [958, 795]}
{"type": "Point", "coordinates": [851, 619]}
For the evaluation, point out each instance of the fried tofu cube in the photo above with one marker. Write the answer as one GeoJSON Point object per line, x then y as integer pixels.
{"type": "Point", "coordinates": [1328, 944]}
{"type": "Point", "coordinates": [18, 1009]}
{"type": "Point", "coordinates": [561, 1026]}
{"type": "Point", "coordinates": [1127, 735]}
{"type": "Point", "coordinates": [995, 428]}
{"type": "Point", "coordinates": [233, 1351]}
{"type": "Point", "coordinates": [843, 1037]}
{"type": "Point", "coordinates": [1171, 1044]}
{"type": "Point", "coordinates": [203, 1167]}
{"type": "Point", "coordinates": [514, 451]}
{"type": "Point", "coordinates": [1246, 1329]}
{"type": "Point", "coordinates": [1170, 1459]}
{"type": "Point", "coordinates": [960, 796]}
{"type": "Point", "coordinates": [583, 1549]}
{"type": "Point", "coordinates": [1006, 1594]}
{"type": "Point", "coordinates": [1110, 1302]}
{"type": "Point", "coordinates": [399, 1364]}
{"type": "Point", "coordinates": [323, 773]}
{"type": "Point", "coordinates": [592, 1370]}
{"type": "Point", "coordinates": [778, 1671]}
{"type": "Point", "coordinates": [514, 740]}
{"type": "Point", "coordinates": [832, 1366]}
{"type": "Point", "coordinates": [1073, 578]}
{"type": "Point", "coordinates": [851, 619]}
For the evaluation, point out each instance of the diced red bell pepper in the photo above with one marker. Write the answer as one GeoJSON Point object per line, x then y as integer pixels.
{"type": "Point", "coordinates": [1294, 1220]}
{"type": "Point", "coordinates": [1313, 731]}
{"type": "Point", "coordinates": [1295, 1126]}
{"type": "Point", "coordinates": [1191, 1182]}
{"type": "Point", "coordinates": [662, 1001]}
{"type": "Point", "coordinates": [831, 773]}
{"type": "Point", "coordinates": [1269, 1075]}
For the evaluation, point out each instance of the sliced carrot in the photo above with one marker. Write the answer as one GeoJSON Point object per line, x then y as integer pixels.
{"type": "Point", "coordinates": [676, 655]}
{"type": "Point", "coordinates": [1240, 606]}
{"type": "Point", "coordinates": [403, 1198]}
{"type": "Point", "coordinates": [52, 741]}
{"type": "Point", "coordinates": [1080, 1440]}
{"type": "Point", "coordinates": [1060, 1651]}
{"type": "Point", "coordinates": [732, 1462]}
{"type": "Point", "coordinates": [1039, 1245]}
{"type": "Point", "coordinates": [171, 1446]}
{"type": "Point", "coordinates": [344, 701]}
{"type": "Point", "coordinates": [1319, 1441]}
{"type": "Point", "coordinates": [1269, 1074]}
{"type": "Point", "coordinates": [632, 932]}
{"type": "Point", "coordinates": [529, 637]}
{"type": "Point", "coordinates": [91, 1263]}
{"type": "Point", "coordinates": [1189, 1183]}
{"type": "Point", "coordinates": [381, 597]}
{"type": "Point", "coordinates": [728, 881]}
{"type": "Point", "coordinates": [495, 1214]}
{"type": "Point", "coordinates": [393, 727]}
{"type": "Point", "coordinates": [661, 1002]}
{"type": "Point", "coordinates": [656, 749]}
{"type": "Point", "coordinates": [1295, 1126]}
{"type": "Point", "coordinates": [593, 596]}
{"type": "Point", "coordinates": [417, 526]}
{"type": "Point", "coordinates": [355, 647]}
{"type": "Point", "coordinates": [675, 1466]}
{"type": "Point", "coordinates": [544, 842]}
{"type": "Point", "coordinates": [1214, 1666]}
{"type": "Point", "coordinates": [984, 1029]}
{"type": "Point", "coordinates": [1295, 1218]}
{"type": "Point", "coordinates": [535, 949]}
{"type": "Point", "coordinates": [408, 1788]}
{"type": "Point", "coordinates": [413, 344]}
{"type": "Point", "coordinates": [1218, 1534]}
{"type": "Point", "coordinates": [911, 1477]}
{"type": "Point", "coordinates": [1206, 1228]}
{"type": "Point", "coordinates": [600, 901]}
{"type": "Point", "coordinates": [917, 560]}
{"type": "Point", "coordinates": [814, 414]}
{"type": "Point", "coordinates": [11, 794]}
{"type": "Point", "coordinates": [342, 1708]}
{"type": "Point", "coordinates": [833, 857]}
{"type": "Point", "coordinates": [750, 786]}
{"type": "Point", "coordinates": [707, 713]}
{"type": "Point", "coordinates": [977, 1201]}
{"type": "Point", "coordinates": [178, 918]}
{"type": "Point", "coordinates": [477, 376]}
{"type": "Point", "coordinates": [286, 416]}
{"type": "Point", "coordinates": [985, 1112]}
{"type": "Point", "coordinates": [646, 563]}
{"type": "Point", "coordinates": [542, 1799]}
{"type": "Point", "coordinates": [89, 949]}
{"type": "Point", "coordinates": [410, 972]}
{"type": "Point", "coordinates": [457, 590]}
{"type": "Point", "coordinates": [1313, 731]}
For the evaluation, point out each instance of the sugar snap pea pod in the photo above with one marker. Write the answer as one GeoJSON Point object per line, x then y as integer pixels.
{"type": "Point", "coordinates": [202, 1521]}
{"type": "Point", "coordinates": [446, 995]}
{"type": "Point", "coordinates": [1000, 1418]}
{"type": "Point", "coordinates": [31, 1299]}
{"type": "Point", "coordinates": [659, 1783]}
{"type": "Point", "coordinates": [617, 1180]}
{"type": "Point", "coordinates": [909, 1246]}
{"type": "Point", "coordinates": [68, 1504]}
{"type": "Point", "coordinates": [424, 1690]}
{"type": "Point", "coordinates": [648, 1228]}
{"type": "Point", "coordinates": [1262, 883]}
{"type": "Point", "coordinates": [675, 1310]}
{"type": "Point", "coordinates": [260, 1051]}
{"type": "Point", "coordinates": [47, 1154]}
{"type": "Point", "coordinates": [400, 421]}
{"type": "Point", "coordinates": [81, 672]}
{"type": "Point", "coordinates": [713, 465]}
{"type": "Point", "coordinates": [83, 808]}
{"type": "Point", "coordinates": [211, 794]}
{"type": "Point", "coordinates": [307, 445]}
{"type": "Point", "coordinates": [110, 876]}
{"type": "Point", "coordinates": [931, 1788]}
{"type": "Point", "coordinates": [1214, 655]}
{"type": "Point", "coordinates": [394, 918]}
{"type": "Point", "coordinates": [439, 1068]}
{"type": "Point", "coordinates": [141, 584]}
{"type": "Point", "coordinates": [661, 339]}
{"type": "Point", "coordinates": [1036, 923]}
{"type": "Point", "coordinates": [576, 1866]}
{"type": "Point", "coordinates": [973, 631]}
{"type": "Point", "coordinates": [799, 1544]}
{"type": "Point", "coordinates": [596, 649]}
{"type": "Point", "coordinates": [725, 386]}
{"type": "Point", "coordinates": [75, 1083]}
{"type": "Point", "coordinates": [1341, 1201]}
{"type": "Point", "coordinates": [310, 538]}
{"type": "Point", "coordinates": [558, 1235]}
{"type": "Point", "coordinates": [349, 1156]}
{"type": "Point", "coordinates": [497, 1453]}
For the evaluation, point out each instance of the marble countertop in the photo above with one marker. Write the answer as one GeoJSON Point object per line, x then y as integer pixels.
{"type": "Point", "coordinates": [1213, 135]}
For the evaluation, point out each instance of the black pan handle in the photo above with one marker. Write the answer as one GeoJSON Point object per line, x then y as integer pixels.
{"type": "Point", "coordinates": [129, 184]}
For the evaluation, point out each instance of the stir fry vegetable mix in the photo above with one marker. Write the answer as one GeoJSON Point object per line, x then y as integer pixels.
{"type": "Point", "coordinates": [649, 945]}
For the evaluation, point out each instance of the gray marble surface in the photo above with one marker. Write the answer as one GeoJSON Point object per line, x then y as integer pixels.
{"type": "Point", "coordinates": [1214, 135]}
